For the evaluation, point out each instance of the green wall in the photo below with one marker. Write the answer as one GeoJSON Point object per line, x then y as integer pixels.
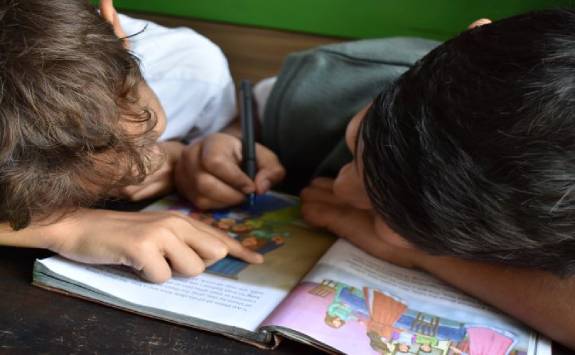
{"type": "Point", "coordinates": [439, 19]}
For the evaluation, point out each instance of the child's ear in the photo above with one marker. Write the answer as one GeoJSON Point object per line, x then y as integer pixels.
{"type": "Point", "coordinates": [108, 13]}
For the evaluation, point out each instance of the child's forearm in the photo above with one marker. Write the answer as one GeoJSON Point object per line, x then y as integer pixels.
{"type": "Point", "coordinates": [541, 300]}
{"type": "Point", "coordinates": [155, 243]}
{"type": "Point", "coordinates": [40, 235]}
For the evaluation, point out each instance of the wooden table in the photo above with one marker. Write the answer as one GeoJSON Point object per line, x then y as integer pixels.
{"type": "Point", "coordinates": [36, 321]}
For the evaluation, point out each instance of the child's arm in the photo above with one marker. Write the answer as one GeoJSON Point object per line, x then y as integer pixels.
{"type": "Point", "coordinates": [153, 243]}
{"type": "Point", "coordinates": [540, 299]}
{"type": "Point", "coordinates": [209, 172]}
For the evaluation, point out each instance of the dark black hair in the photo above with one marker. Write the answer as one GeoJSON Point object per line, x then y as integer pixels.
{"type": "Point", "coordinates": [471, 152]}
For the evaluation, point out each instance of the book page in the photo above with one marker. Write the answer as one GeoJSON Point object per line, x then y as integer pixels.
{"type": "Point", "coordinates": [358, 304]}
{"type": "Point", "coordinates": [231, 292]}
{"type": "Point", "coordinates": [206, 297]}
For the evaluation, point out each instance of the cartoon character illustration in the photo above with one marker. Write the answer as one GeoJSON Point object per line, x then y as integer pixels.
{"type": "Point", "coordinates": [380, 344]}
{"type": "Point", "coordinates": [255, 227]}
{"type": "Point", "coordinates": [392, 328]}
{"type": "Point", "coordinates": [427, 349]}
{"type": "Point", "coordinates": [348, 304]}
{"type": "Point", "coordinates": [426, 341]}
{"type": "Point", "coordinates": [384, 311]}
{"type": "Point", "coordinates": [403, 349]}
{"type": "Point", "coordinates": [401, 336]}
{"type": "Point", "coordinates": [261, 241]}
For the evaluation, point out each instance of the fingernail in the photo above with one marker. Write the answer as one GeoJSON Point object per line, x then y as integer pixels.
{"type": "Point", "coordinates": [256, 257]}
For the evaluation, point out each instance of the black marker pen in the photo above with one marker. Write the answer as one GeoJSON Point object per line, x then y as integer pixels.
{"type": "Point", "coordinates": [249, 164]}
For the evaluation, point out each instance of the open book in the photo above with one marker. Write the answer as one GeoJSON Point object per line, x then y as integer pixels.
{"type": "Point", "coordinates": [312, 288]}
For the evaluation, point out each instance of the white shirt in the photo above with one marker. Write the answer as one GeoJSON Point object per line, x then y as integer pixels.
{"type": "Point", "coordinates": [188, 73]}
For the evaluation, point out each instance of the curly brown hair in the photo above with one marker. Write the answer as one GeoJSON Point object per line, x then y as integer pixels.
{"type": "Point", "coordinates": [68, 94]}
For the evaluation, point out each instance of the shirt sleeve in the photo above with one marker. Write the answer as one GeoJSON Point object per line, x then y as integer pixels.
{"type": "Point", "coordinates": [188, 73]}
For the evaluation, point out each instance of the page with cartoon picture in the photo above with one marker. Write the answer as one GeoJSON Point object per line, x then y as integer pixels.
{"type": "Point", "coordinates": [354, 303]}
{"type": "Point", "coordinates": [233, 296]}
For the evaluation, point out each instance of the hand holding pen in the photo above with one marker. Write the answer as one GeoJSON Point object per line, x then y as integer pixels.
{"type": "Point", "coordinates": [210, 172]}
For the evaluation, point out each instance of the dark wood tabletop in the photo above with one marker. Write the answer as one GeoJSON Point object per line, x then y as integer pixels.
{"type": "Point", "coordinates": [36, 321]}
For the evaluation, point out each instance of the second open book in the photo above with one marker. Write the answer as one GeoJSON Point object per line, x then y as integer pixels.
{"type": "Point", "coordinates": [312, 288]}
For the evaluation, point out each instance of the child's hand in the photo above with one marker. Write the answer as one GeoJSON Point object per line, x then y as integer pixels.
{"type": "Point", "coordinates": [209, 173]}
{"type": "Point", "coordinates": [154, 243]}
{"type": "Point", "coordinates": [161, 181]}
{"type": "Point", "coordinates": [321, 208]}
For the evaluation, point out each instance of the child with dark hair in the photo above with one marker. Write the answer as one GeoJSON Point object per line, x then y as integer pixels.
{"type": "Point", "coordinates": [463, 164]}
{"type": "Point", "coordinates": [79, 123]}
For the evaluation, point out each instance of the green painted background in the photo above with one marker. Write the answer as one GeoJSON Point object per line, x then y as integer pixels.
{"type": "Point", "coordinates": [439, 19]}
